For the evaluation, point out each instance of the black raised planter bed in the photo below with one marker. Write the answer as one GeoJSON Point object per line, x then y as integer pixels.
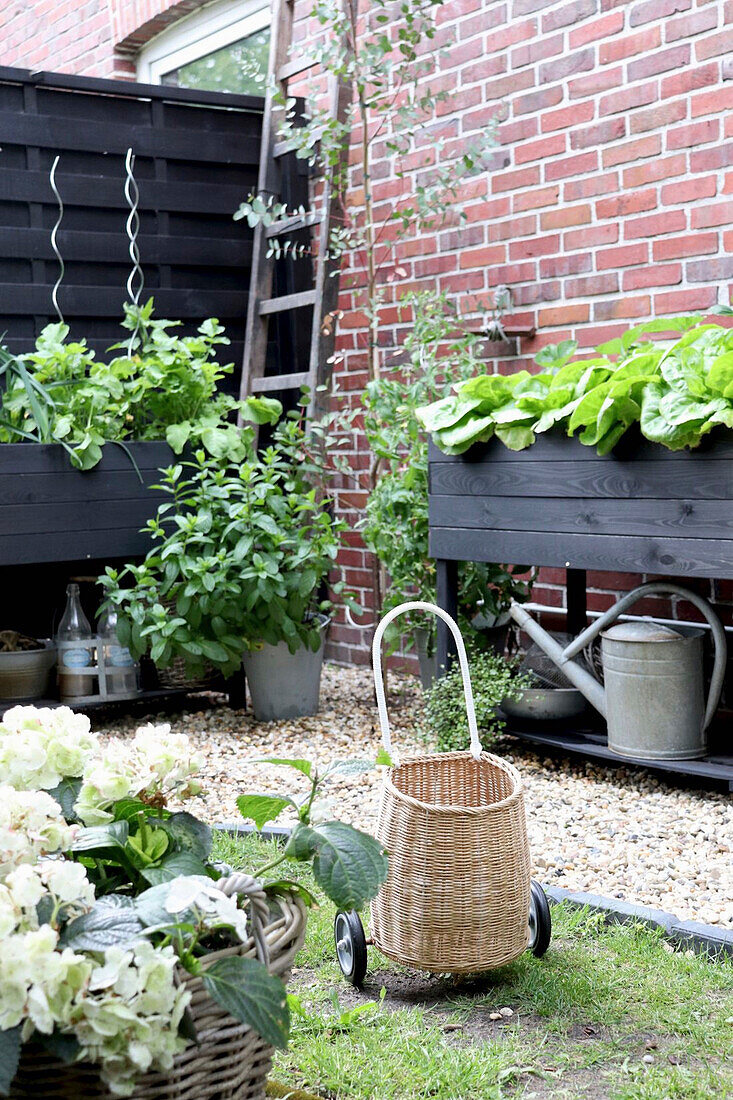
{"type": "Point", "coordinates": [642, 509]}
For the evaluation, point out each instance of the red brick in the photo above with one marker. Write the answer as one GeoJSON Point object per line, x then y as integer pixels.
{"type": "Point", "coordinates": [572, 166]}
{"type": "Point", "coordinates": [503, 37]}
{"type": "Point", "coordinates": [536, 49]}
{"type": "Point", "coordinates": [587, 188]}
{"type": "Point", "coordinates": [567, 117]}
{"type": "Point", "coordinates": [598, 334]}
{"type": "Point", "coordinates": [714, 46]}
{"type": "Point", "coordinates": [565, 216]}
{"type": "Point", "coordinates": [512, 132]}
{"type": "Point", "coordinates": [482, 257]}
{"type": "Point", "coordinates": [564, 315]}
{"type": "Point", "coordinates": [537, 150]}
{"type": "Point", "coordinates": [696, 133]}
{"type": "Point", "coordinates": [671, 221]}
{"type": "Point", "coordinates": [632, 202]}
{"type": "Point", "coordinates": [690, 190]}
{"type": "Point", "coordinates": [651, 10]}
{"type": "Point", "coordinates": [622, 308]}
{"type": "Point", "coordinates": [659, 116]}
{"type": "Point", "coordinates": [629, 98]}
{"type": "Point", "coordinates": [710, 271]}
{"type": "Point", "coordinates": [538, 292]}
{"type": "Point", "coordinates": [568, 15]}
{"type": "Point", "coordinates": [631, 45]}
{"type": "Point", "coordinates": [712, 103]}
{"type": "Point", "coordinates": [512, 228]}
{"type": "Point", "coordinates": [565, 265]}
{"type": "Point", "coordinates": [537, 101]}
{"type": "Point", "coordinates": [591, 237]}
{"type": "Point", "coordinates": [581, 61]}
{"type": "Point", "coordinates": [689, 80]}
{"type": "Point", "coordinates": [718, 214]}
{"type": "Point", "coordinates": [642, 174]}
{"type": "Point", "coordinates": [595, 83]}
{"type": "Point", "coordinates": [626, 256]}
{"type": "Point", "coordinates": [512, 273]}
{"type": "Point", "coordinates": [659, 275]}
{"type": "Point", "coordinates": [676, 248]}
{"type": "Point", "coordinates": [649, 146]}
{"type": "Point", "coordinates": [534, 200]}
{"type": "Point", "coordinates": [592, 285]}
{"type": "Point", "coordinates": [689, 25]}
{"type": "Point", "coordinates": [508, 181]}
{"type": "Point", "coordinates": [664, 62]}
{"type": "Point", "coordinates": [682, 301]}
{"type": "Point", "coordinates": [538, 246]}
{"type": "Point", "coordinates": [599, 28]}
{"type": "Point", "coordinates": [610, 129]}
{"type": "Point", "coordinates": [710, 160]}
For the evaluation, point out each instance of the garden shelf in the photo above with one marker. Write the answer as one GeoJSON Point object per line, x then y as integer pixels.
{"type": "Point", "coordinates": [642, 509]}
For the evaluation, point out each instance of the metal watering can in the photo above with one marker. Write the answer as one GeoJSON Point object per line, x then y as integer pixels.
{"type": "Point", "coordinates": [653, 700]}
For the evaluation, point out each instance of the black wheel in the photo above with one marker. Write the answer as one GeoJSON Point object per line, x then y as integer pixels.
{"type": "Point", "coordinates": [351, 948]}
{"type": "Point", "coordinates": [540, 921]}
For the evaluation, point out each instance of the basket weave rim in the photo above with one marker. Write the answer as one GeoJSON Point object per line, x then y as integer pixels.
{"type": "Point", "coordinates": [452, 808]}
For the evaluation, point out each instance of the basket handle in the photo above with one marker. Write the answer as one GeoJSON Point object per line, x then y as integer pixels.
{"type": "Point", "coordinates": [419, 605]}
{"type": "Point", "coordinates": [244, 885]}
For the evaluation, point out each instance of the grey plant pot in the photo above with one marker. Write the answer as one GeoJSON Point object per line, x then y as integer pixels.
{"type": "Point", "coordinates": [284, 684]}
{"type": "Point", "coordinates": [24, 675]}
{"type": "Point", "coordinates": [428, 662]}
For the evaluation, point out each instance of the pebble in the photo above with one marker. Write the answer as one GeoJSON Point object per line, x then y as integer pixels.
{"type": "Point", "coordinates": [506, 1012]}
{"type": "Point", "coordinates": [619, 832]}
{"type": "Point", "coordinates": [495, 1016]}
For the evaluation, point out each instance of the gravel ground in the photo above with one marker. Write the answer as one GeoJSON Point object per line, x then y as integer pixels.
{"type": "Point", "coordinates": [612, 831]}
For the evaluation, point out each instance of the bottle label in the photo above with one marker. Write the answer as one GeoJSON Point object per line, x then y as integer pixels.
{"type": "Point", "coordinates": [75, 658]}
{"type": "Point", "coordinates": [119, 656]}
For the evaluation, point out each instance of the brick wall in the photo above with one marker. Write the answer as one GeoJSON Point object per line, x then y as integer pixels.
{"type": "Point", "coordinates": [610, 200]}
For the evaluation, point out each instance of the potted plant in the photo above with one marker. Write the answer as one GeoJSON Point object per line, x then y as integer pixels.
{"type": "Point", "coordinates": [119, 935]}
{"type": "Point", "coordinates": [25, 665]}
{"type": "Point", "coordinates": [242, 552]}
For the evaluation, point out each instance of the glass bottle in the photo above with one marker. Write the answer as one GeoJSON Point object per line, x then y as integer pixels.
{"type": "Point", "coordinates": [74, 627]}
{"type": "Point", "coordinates": [121, 671]}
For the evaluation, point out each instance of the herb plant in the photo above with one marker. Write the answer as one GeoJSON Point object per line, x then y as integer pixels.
{"type": "Point", "coordinates": [93, 940]}
{"type": "Point", "coordinates": [676, 391]}
{"type": "Point", "coordinates": [493, 678]}
{"type": "Point", "coordinates": [241, 553]}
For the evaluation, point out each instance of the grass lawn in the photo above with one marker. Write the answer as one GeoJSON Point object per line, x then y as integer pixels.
{"type": "Point", "coordinates": [610, 1013]}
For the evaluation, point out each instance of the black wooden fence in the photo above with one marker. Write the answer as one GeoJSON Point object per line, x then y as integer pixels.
{"type": "Point", "coordinates": [196, 159]}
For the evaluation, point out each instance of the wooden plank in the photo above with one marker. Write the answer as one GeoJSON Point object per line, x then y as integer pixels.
{"type": "Point", "coordinates": [66, 135]}
{"type": "Point", "coordinates": [21, 242]}
{"type": "Point", "coordinates": [703, 519]}
{"type": "Point", "coordinates": [54, 515]}
{"type": "Point", "coordinates": [104, 301]}
{"type": "Point", "coordinates": [50, 459]}
{"type": "Point", "coordinates": [286, 302]}
{"type": "Point", "coordinates": [210, 197]}
{"type": "Point", "coordinates": [659, 555]}
{"type": "Point", "coordinates": [293, 225]}
{"type": "Point", "coordinates": [295, 67]}
{"type": "Point", "coordinates": [73, 545]}
{"type": "Point", "coordinates": [553, 446]}
{"type": "Point", "coordinates": [711, 479]}
{"type": "Point", "coordinates": [280, 382]}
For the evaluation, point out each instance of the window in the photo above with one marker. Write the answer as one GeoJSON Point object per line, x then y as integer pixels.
{"type": "Point", "coordinates": [222, 48]}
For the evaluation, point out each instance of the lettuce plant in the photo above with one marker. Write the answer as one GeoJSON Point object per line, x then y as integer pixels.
{"type": "Point", "coordinates": [676, 390]}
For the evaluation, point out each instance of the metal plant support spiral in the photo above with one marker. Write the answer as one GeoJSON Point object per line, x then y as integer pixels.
{"type": "Point", "coordinates": [54, 241]}
{"type": "Point", "coordinates": [136, 279]}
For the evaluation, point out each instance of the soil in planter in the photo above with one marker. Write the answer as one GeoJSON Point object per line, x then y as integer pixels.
{"type": "Point", "coordinates": [13, 642]}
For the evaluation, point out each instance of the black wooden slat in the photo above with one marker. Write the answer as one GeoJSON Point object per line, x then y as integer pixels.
{"type": "Point", "coordinates": [22, 242]}
{"type": "Point", "coordinates": [50, 459]}
{"type": "Point", "coordinates": [60, 134]}
{"type": "Point", "coordinates": [556, 446]}
{"type": "Point", "coordinates": [594, 477]}
{"type": "Point", "coordinates": [210, 197]}
{"type": "Point", "coordinates": [701, 519]}
{"type": "Point", "coordinates": [72, 544]}
{"type": "Point", "coordinates": [103, 301]}
{"type": "Point", "coordinates": [51, 516]}
{"type": "Point", "coordinates": [670, 556]}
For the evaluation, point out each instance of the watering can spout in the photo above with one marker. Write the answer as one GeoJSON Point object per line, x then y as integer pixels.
{"type": "Point", "coordinates": [579, 677]}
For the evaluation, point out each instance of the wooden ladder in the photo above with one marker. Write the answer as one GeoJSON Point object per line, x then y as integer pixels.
{"type": "Point", "coordinates": [323, 296]}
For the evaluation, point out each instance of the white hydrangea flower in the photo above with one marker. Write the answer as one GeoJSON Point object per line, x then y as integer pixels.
{"type": "Point", "coordinates": [31, 825]}
{"type": "Point", "coordinates": [38, 983]}
{"type": "Point", "coordinates": [68, 882]}
{"type": "Point", "coordinates": [40, 746]}
{"type": "Point", "coordinates": [200, 894]}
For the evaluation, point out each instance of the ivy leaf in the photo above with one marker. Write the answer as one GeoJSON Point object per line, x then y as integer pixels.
{"type": "Point", "coordinates": [252, 995]}
{"type": "Point", "coordinates": [10, 1044]}
{"type": "Point", "coordinates": [262, 808]}
{"type": "Point", "coordinates": [348, 865]}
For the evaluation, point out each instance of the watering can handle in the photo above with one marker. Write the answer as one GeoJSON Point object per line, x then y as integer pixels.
{"type": "Point", "coordinates": [652, 589]}
{"type": "Point", "coordinates": [418, 605]}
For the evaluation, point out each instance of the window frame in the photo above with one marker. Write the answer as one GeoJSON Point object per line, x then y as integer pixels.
{"type": "Point", "coordinates": [197, 35]}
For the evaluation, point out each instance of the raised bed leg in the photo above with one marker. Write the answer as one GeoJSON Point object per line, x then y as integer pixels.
{"type": "Point", "coordinates": [447, 595]}
{"type": "Point", "coordinates": [575, 594]}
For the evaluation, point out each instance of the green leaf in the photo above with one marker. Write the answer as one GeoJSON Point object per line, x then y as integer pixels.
{"type": "Point", "coordinates": [262, 808]}
{"type": "Point", "coordinates": [516, 438]}
{"type": "Point", "coordinates": [251, 995]}
{"type": "Point", "coordinates": [173, 866]}
{"type": "Point", "coordinates": [65, 1047]}
{"type": "Point", "coordinates": [66, 794]}
{"type": "Point", "coordinates": [383, 757]}
{"type": "Point", "coordinates": [102, 838]}
{"type": "Point", "coordinates": [113, 920]}
{"type": "Point", "coordinates": [348, 865]}
{"type": "Point", "coordinates": [188, 834]}
{"type": "Point", "coordinates": [177, 435]}
{"type": "Point", "coordinates": [10, 1044]}
{"type": "Point", "coordinates": [348, 768]}
{"type": "Point", "coordinates": [303, 766]}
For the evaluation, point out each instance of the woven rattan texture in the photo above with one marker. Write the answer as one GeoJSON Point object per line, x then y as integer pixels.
{"type": "Point", "coordinates": [456, 897]}
{"type": "Point", "coordinates": [230, 1061]}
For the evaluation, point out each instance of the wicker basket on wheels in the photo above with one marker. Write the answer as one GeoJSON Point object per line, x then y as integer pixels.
{"type": "Point", "coordinates": [230, 1061]}
{"type": "Point", "coordinates": [458, 897]}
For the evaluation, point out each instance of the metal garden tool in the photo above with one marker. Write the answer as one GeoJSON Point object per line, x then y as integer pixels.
{"type": "Point", "coordinates": [653, 700]}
